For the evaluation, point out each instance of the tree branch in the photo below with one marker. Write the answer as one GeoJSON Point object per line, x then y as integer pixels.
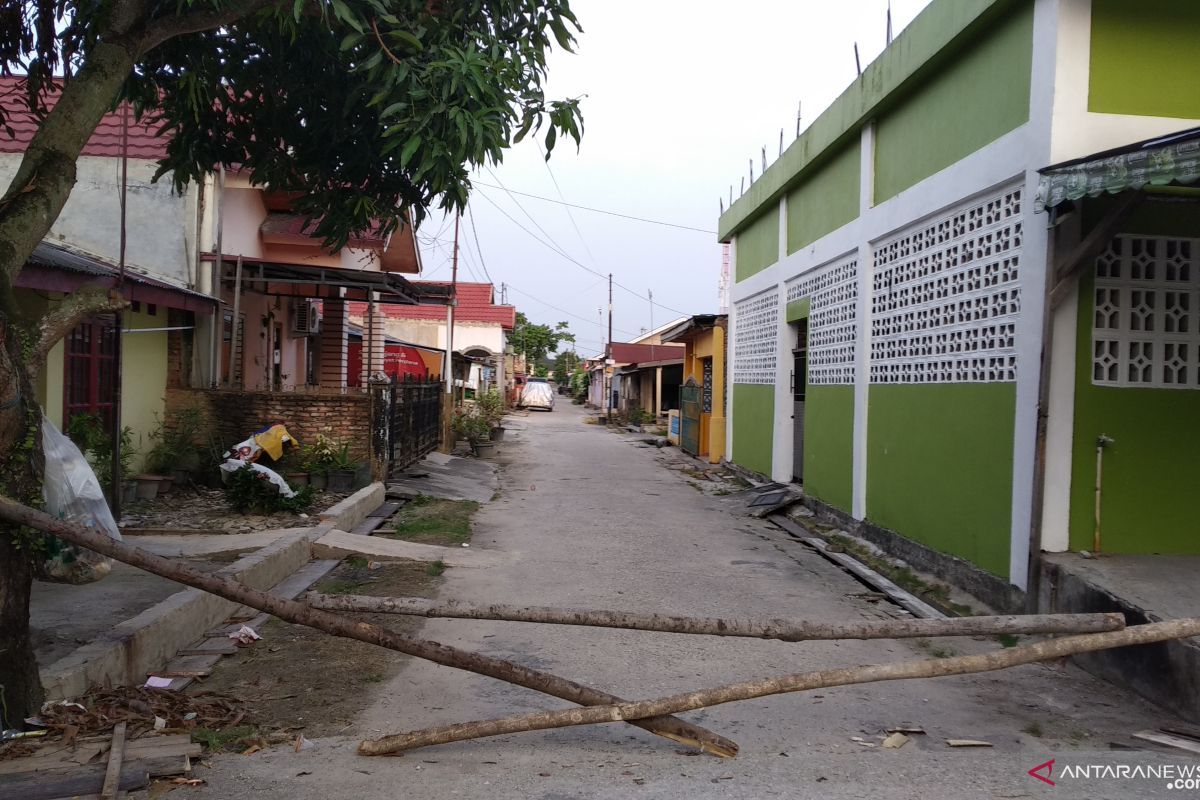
{"type": "Point", "coordinates": [164, 28]}
{"type": "Point", "coordinates": [74, 310]}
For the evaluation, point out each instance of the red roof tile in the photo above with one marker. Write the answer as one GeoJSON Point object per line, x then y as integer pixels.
{"type": "Point", "coordinates": [475, 304]}
{"type": "Point", "coordinates": [144, 141]}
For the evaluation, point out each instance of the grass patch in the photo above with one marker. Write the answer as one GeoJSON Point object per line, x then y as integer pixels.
{"type": "Point", "coordinates": [436, 568]}
{"type": "Point", "coordinates": [905, 578]}
{"type": "Point", "coordinates": [435, 521]}
{"type": "Point", "coordinates": [1008, 639]}
{"type": "Point", "coordinates": [936, 651]}
{"type": "Point", "coordinates": [1033, 729]}
{"type": "Point", "coordinates": [218, 741]}
{"type": "Point", "coordinates": [339, 585]}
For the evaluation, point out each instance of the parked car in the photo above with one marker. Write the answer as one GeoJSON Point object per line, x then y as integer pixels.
{"type": "Point", "coordinates": [537, 394]}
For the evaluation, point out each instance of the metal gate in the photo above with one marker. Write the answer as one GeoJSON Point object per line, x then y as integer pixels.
{"type": "Point", "coordinates": [414, 421]}
{"type": "Point", "coordinates": [689, 417]}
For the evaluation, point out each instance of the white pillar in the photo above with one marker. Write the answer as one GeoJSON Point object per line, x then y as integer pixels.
{"type": "Point", "coordinates": [862, 343]}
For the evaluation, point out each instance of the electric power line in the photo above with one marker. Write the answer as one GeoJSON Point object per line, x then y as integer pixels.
{"type": "Point", "coordinates": [478, 249]}
{"type": "Point", "coordinates": [554, 249]}
{"type": "Point", "coordinates": [562, 310]}
{"type": "Point", "coordinates": [599, 210]}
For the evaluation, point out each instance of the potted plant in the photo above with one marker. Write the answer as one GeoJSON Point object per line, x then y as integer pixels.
{"type": "Point", "coordinates": [473, 426]}
{"type": "Point", "coordinates": [318, 457]}
{"type": "Point", "coordinates": [491, 407]}
{"type": "Point", "coordinates": [293, 468]}
{"type": "Point", "coordinates": [341, 470]}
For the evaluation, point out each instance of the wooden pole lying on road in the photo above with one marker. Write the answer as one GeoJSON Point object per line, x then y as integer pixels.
{"type": "Point", "coordinates": [787, 630]}
{"type": "Point", "coordinates": [292, 611]}
{"type": "Point", "coordinates": [804, 681]}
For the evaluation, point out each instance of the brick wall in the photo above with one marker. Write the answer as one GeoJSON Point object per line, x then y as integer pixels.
{"type": "Point", "coordinates": [237, 414]}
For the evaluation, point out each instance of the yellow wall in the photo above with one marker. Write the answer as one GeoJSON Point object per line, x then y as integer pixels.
{"type": "Point", "coordinates": [709, 344]}
{"type": "Point", "coordinates": [144, 364]}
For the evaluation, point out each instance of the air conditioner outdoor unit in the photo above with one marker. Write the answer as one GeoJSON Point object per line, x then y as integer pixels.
{"type": "Point", "coordinates": [306, 317]}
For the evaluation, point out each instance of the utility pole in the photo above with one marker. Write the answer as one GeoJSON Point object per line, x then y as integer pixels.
{"type": "Point", "coordinates": [608, 359]}
{"type": "Point", "coordinates": [650, 293]}
{"type": "Point", "coordinates": [448, 369]}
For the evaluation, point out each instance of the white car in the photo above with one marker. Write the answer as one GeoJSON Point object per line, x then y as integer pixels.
{"type": "Point", "coordinates": [537, 394]}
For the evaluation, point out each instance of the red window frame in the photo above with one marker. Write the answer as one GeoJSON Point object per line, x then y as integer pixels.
{"type": "Point", "coordinates": [89, 368]}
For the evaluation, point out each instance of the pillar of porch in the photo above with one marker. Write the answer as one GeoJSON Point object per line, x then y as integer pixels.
{"type": "Point", "coordinates": [373, 345]}
{"type": "Point", "coordinates": [333, 345]}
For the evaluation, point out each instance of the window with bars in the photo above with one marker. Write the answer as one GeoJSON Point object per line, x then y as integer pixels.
{"type": "Point", "coordinates": [90, 367]}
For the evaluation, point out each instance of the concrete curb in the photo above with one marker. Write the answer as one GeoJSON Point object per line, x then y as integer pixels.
{"type": "Point", "coordinates": [346, 514]}
{"type": "Point", "coordinates": [132, 649]}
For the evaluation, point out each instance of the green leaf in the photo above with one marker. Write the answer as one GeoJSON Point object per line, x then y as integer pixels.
{"type": "Point", "coordinates": [393, 108]}
{"type": "Point", "coordinates": [349, 41]}
{"type": "Point", "coordinates": [551, 135]}
{"type": "Point", "coordinates": [343, 12]}
{"type": "Point", "coordinates": [410, 147]}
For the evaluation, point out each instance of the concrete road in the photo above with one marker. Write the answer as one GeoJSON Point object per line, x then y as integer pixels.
{"type": "Point", "coordinates": [588, 518]}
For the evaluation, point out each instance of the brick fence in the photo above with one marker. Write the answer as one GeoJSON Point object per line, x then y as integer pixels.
{"type": "Point", "coordinates": [235, 414]}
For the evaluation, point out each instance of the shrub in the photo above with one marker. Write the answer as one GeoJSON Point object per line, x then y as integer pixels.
{"type": "Point", "coordinates": [249, 490]}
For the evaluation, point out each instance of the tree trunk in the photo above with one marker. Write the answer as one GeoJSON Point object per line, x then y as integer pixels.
{"type": "Point", "coordinates": [28, 209]}
{"type": "Point", "coordinates": [805, 681]}
{"type": "Point", "coordinates": [786, 630]}
{"type": "Point", "coordinates": [300, 614]}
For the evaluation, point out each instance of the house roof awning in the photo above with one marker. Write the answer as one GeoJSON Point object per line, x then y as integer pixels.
{"type": "Point", "coordinates": [1163, 161]}
{"type": "Point", "coordinates": [55, 268]}
{"type": "Point", "coordinates": [320, 283]}
{"type": "Point", "coordinates": [691, 324]}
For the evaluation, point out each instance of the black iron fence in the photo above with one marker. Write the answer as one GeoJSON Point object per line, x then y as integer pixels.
{"type": "Point", "coordinates": [406, 422]}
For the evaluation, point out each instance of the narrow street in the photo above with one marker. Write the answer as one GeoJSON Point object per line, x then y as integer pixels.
{"type": "Point", "coordinates": [591, 519]}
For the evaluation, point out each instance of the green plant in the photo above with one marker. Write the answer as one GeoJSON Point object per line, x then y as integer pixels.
{"type": "Point", "coordinates": [490, 405]}
{"type": "Point", "coordinates": [249, 490]}
{"type": "Point", "coordinates": [324, 454]}
{"type": "Point", "coordinates": [219, 740]}
{"type": "Point", "coordinates": [87, 431]}
{"type": "Point", "coordinates": [179, 442]}
{"type": "Point", "coordinates": [436, 568]}
{"type": "Point", "coordinates": [471, 425]}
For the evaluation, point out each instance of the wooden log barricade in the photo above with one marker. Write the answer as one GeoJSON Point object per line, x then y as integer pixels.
{"type": "Point", "coordinates": [786, 630]}
{"type": "Point", "coordinates": [1098, 632]}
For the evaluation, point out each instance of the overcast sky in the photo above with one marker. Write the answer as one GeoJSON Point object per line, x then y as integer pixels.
{"type": "Point", "coordinates": [679, 97]}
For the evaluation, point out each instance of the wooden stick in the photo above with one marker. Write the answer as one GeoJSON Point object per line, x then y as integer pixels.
{"type": "Point", "coordinates": [787, 630]}
{"type": "Point", "coordinates": [292, 611]}
{"type": "Point", "coordinates": [116, 754]}
{"type": "Point", "coordinates": [804, 681]}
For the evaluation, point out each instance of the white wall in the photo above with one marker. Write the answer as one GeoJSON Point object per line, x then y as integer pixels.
{"type": "Point", "coordinates": [160, 225]}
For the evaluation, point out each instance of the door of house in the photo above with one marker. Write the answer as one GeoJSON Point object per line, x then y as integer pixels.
{"type": "Point", "coordinates": [689, 417]}
{"type": "Point", "coordinates": [90, 367]}
{"type": "Point", "coordinates": [799, 386]}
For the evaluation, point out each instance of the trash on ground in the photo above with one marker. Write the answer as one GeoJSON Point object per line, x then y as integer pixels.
{"type": "Point", "coordinates": [72, 493]}
{"type": "Point", "coordinates": [245, 635]}
{"type": "Point", "coordinates": [967, 743]}
{"type": "Point", "coordinates": [895, 741]}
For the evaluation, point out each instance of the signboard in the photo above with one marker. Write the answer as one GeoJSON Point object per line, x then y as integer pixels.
{"type": "Point", "coordinates": [706, 392]}
{"type": "Point", "coordinates": [674, 419]}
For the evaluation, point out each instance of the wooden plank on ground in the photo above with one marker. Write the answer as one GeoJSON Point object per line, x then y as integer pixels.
{"type": "Point", "coordinates": [87, 780]}
{"type": "Point", "coordinates": [190, 666]}
{"type": "Point", "coordinates": [368, 526]}
{"type": "Point", "coordinates": [116, 757]}
{"type": "Point", "coordinates": [386, 510]}
{"type": "Point", "coordinates": [216, 645]}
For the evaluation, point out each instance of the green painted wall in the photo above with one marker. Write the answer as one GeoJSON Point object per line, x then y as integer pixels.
{"type": "Point", "coordinates": [1151, 471]}
{"type": "Point", "coordinates": [753, 421]}
{"type": "Point", "coordinates": [144, 364]}
{"type": "Point", "coordinates": [797, 309]}
{"type": "Point", "coordinates": [827, 200]}
{"type": "Point", "coordinates": [939, 467]}
{"type": "Point", "coordinates": [758, 245]}
{"type": "Point", "coordinates": [923, 49]}
{"type": "Point", "coordinates": [973, 101]}
{"type": "Point", "coordinates": [829, 444]}
{"type": "Point", "coordinates": [1137, 51]}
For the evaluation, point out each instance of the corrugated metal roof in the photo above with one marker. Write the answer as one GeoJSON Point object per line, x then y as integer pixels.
{"type": "Point", "coordinates": [57, 256]}
{"type": "Point", "coordinates": [475, 304]}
